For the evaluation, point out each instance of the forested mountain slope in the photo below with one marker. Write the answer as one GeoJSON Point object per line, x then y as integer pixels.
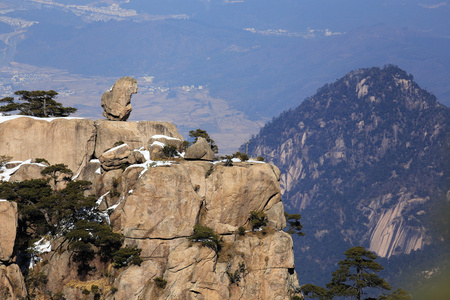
{"type": "Point", "coordinates": [365, 161]}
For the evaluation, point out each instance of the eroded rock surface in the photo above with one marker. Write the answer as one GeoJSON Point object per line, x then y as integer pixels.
{"type": "Point", "coordinates": [73, 141]}
{"type": "Point", "coordinates": [233, 192]}
{"type": "Point", "coordinates": [12, 285]}
{"type": "Point", "coordinates": [58, 140]}
{"type": "Point", "coordinates": [163, 205]}
{"type": "Point", "coordinates": [155, 204]}
{"type": "Point", "coordinates": [134, 134]}
{"type": "Point", "coordinates": [8, 221]}
{"type": "Point", "coordinates": [201, 150]}
{"type": "Point", "coordinates": [116, 102]}
{"type": "Point", "coordinates": [159, 216]}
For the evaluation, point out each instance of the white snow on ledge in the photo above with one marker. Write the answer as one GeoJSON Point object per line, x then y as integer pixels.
{"type": "Point", "coordinates": [156, 143]}
{"type": "Point", "coordinates": [115, 148]}
{"type": "Point", "coordinates": [7, 173]}
{"type": "Point", "coordinates": [256, 161]}
{"type": "Point", "coordinates": [8, 118]}
{"type": "Point", "coordinates": [161, 136]}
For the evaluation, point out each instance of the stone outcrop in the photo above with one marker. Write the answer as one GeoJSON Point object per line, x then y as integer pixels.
{"type": "Point", "coordinates": [27, 172]}
{"type": "Point", "coordinates": [116, 102]}
{"type": "Point", "coordinates": [12, 285]}
{"type": "Point", "coordinates": [161, 211]}
{"type": "Point", "coordinates": [73, 141]}
{"type": "Point", "coordinates": [157, 210]}
{"type": "Point", "coordinates": [120, 156]}
{"type": "Point", "coordinates": [58, 140]}
{"type": "Point", "coordinates": [134, 134]}
{"type": "Point", "coordinates": [155, 205]}
{"type": "Point", "coordinates": [200, 151]}
{"type": "Point", "coordinates": [8, 221]}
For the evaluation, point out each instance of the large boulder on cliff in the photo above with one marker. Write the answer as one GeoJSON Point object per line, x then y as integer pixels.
{"type": "Point", "coordinates": [201, 150]}
{"type": "Point", "coordinates": [59, 140]}
{"type": "Point", "coordinates": [8, 221]}
{"type": "Point", "coordinates": [116, 102]}
{"type": "Point", "coordinates": [114, 158]}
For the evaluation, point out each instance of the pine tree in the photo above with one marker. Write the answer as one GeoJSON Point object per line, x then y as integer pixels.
{"type": "Point", "coordinates": [356, 273]}
{"type": "Point", "coordinates": [9, 106]}
{"type": "Point", "coordinates": [37, 103]}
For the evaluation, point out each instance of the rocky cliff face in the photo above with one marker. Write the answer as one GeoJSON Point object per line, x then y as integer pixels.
{"type": "Point", "coordinates": [364, 160]}
{"type": "Point", "coordinates": [155, 204]}
{"type": "Point", "coordinates": [73, 141]}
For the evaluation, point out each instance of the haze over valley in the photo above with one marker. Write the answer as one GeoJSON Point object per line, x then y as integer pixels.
{"type": "Point", "coordinates": [251, 59]}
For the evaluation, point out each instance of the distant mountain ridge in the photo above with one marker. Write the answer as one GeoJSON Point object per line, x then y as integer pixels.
{"type": "Point", "coordinates": [365, 161]}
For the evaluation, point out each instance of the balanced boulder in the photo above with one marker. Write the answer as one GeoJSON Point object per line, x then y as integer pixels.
{"type": "Point", "coordinates": [201, 150]}
{"type": "Point", "coordinates": [116, 102]}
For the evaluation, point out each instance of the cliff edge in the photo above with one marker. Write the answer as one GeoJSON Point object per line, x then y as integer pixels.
{"type": "Point", "coordinates": [156, 204]}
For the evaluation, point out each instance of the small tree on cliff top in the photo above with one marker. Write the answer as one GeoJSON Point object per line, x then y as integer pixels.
{"type": "Point", "coordinates": [36, 103]}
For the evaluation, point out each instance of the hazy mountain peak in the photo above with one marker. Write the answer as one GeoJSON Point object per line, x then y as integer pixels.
{"type": "Point", "coordinates": [364, 161]}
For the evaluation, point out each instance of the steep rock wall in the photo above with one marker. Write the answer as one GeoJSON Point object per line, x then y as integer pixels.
{"type": "Point", "coordinates": [155, 205]}
{"type": "Point", "coordinates": [8, 219]}
{"type": "Point", "coordinates": [159, 214]}
{"type": "Point", "coordinates": [59, 140]}
{"type": "Point", "coordinates": [73, 141]}
{"type": "Point", "coordinates": [12, 285]}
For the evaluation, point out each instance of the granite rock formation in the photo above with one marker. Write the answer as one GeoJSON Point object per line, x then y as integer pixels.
{"type": "Point", "coordinates": [116, 102]}
{"type": "Point", "coordinates": [59, 140]}
{"type": "Point", "coordinates": [201, 150]}
{"type": "Point", "coordinates": [155, 204]}
{"type": "Point", "coordinates": [12, 285]}
{"type": "Point", "coordinates": [74, 141]}
{"type": "Point", "coordinates": [8, 219]}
